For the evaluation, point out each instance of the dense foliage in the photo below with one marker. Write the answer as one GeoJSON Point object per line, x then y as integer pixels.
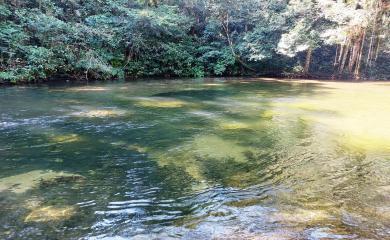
{"type": "Point", "coordinates": [94, 39]}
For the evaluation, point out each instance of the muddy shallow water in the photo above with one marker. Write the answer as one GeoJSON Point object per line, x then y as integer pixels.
{"type": "Point", "coordinates": [196, 159]}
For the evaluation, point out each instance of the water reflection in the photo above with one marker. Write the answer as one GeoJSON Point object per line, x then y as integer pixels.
{"type": "Point", "coordinates": [183, 159]}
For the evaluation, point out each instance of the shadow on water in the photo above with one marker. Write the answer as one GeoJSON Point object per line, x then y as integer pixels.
{"type": "Point", "coordinates": [201, 94]}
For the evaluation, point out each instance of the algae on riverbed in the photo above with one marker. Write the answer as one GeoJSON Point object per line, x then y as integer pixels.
{"type": "Point", "coordinates": [160, 103]}
{"type": "Point", "coordinates": [21, 183]}
{"type": "Point", "coordinates": [50, 213]}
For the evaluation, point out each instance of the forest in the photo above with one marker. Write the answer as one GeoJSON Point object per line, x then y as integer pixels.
{"type": "Point", "coordinates": [47, 40]}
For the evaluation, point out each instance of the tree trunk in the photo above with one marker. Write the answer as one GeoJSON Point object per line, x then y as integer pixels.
{"type": "Point", "coordinates": [359, 60]}
{"type": "Point", "coordinates": [308, 61]}
{"type": "Point", "coordinates": [336, 56]}
{"type": "Point", "coordinates": [344, 55]}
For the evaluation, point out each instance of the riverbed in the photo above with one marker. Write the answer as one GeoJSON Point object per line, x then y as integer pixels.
{"type": "Point", "coordinates": [196, 159]}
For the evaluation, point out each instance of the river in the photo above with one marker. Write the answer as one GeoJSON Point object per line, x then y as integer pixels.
{"type": "Point", "coordinates": [196, 159]}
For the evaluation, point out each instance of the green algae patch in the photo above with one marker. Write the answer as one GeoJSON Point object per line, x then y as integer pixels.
{"type": "Point", "coordinates": [216, 147]}
{"type": "Point", "coordinates": [50, 213]}
{"type": "Point", "coordinates": [24, 182]}
{"type": "Point", "coordinates": [209, 157]}
{"type": "Point", "coordinates": [65, 138]}
{"type": "Point", "coordinates": [187, 162]}
{"type": "Point", "coordinates": [160, 103]}
{"type": "Point", "coordinates": [268, 114]}
{"type": "Point", "coordinates": [234, 126]}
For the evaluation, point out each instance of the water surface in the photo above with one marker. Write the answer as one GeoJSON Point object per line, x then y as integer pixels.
{"type": "Point", "coordinates": [196, 159]}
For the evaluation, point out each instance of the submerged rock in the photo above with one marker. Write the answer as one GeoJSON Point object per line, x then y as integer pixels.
{"type": "Point", "coordinates": [21, 183]}
{"type": "Point", "coordinates": [50, 213]}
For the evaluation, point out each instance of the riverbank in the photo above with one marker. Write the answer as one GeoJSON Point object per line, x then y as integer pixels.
{"type": "Point", "coordinates": [63, 79]}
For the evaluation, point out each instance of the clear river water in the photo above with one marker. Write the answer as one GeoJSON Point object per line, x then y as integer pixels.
{"type": "Point", "coordinates": [196, 159]}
